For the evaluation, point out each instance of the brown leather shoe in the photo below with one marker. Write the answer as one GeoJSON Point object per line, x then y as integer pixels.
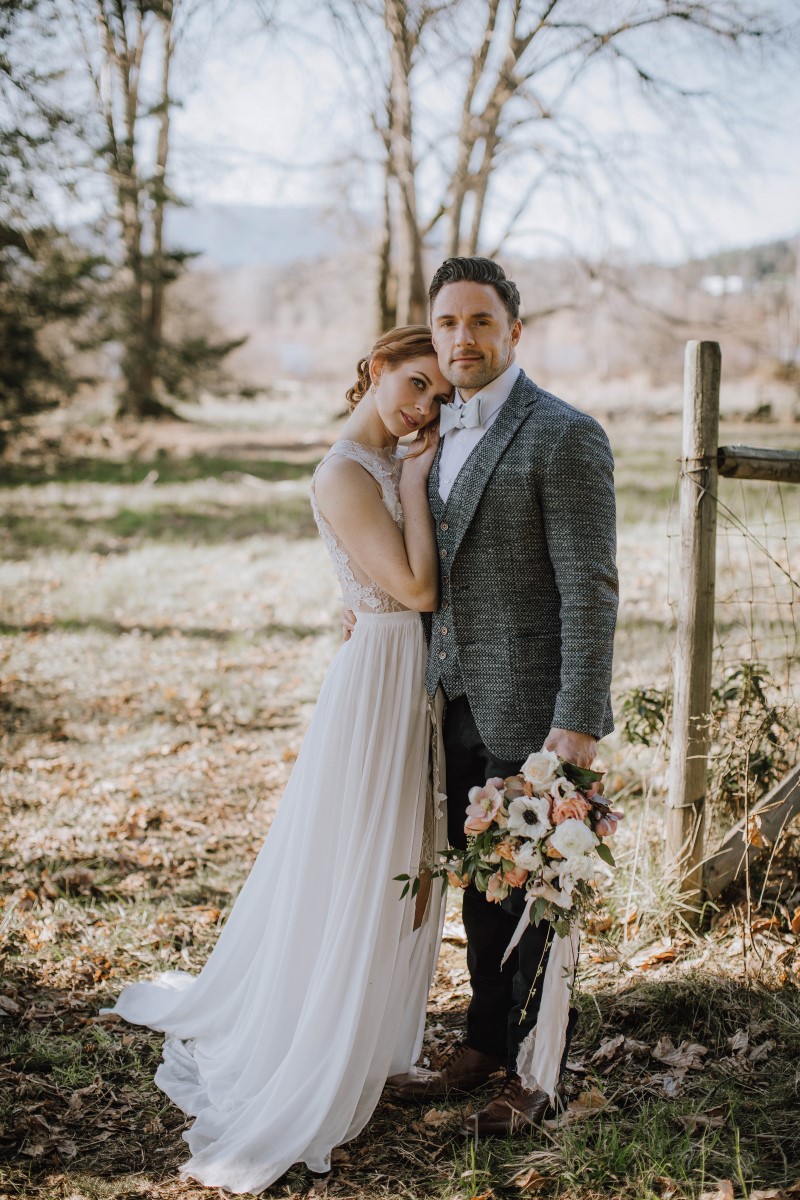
{"type": "Point", "coordinates": [514, 1109]}
{"type": "Point", "coordinates": [465, 1070]}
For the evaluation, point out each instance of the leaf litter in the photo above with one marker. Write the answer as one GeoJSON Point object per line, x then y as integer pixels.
{"type": "Point", "coordinates": [151, 730]}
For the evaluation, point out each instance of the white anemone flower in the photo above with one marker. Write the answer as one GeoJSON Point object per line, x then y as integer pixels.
{"type": "Point", "coordinates": [529, 817]}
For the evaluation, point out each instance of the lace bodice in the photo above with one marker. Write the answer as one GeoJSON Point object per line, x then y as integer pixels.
{"type": "Point", "coordinates": [358, 591]}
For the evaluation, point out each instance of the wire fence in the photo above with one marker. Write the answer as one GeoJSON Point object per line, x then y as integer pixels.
{"type": "Point", "coordinates": [755, 718]}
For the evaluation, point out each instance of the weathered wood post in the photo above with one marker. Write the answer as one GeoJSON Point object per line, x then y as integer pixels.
{"type": "Point", "coordinates": [692, 700]}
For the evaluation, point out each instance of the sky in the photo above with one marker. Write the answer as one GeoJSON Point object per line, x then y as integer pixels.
{"type": "Point", "coordinates": [273, 118]}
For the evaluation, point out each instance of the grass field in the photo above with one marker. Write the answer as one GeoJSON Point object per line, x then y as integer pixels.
{"type": "Point", "coordinates": [167, 618]}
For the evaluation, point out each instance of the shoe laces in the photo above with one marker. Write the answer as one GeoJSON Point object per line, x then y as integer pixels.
{"type": "Point", "coordinates": [512, 1091]}
{"type": "Point", "coordinates": [456, 1054]}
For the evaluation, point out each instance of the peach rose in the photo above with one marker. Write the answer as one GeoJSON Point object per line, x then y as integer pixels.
{"type": "Point", "coordinates": [516, 877]}
{"type": "Point", "coordinates": [569, 807]}
{"type": "Point", "coordinates": [497, 888]}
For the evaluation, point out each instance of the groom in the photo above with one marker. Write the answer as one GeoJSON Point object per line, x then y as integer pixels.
{"type": "Point", "coordinates": [522, 495]}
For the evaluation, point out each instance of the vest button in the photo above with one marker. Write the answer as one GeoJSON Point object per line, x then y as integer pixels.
{"type": "Point", "coordinates": [442, 655]}
{"type": "Point", "coordinates": [443, 553]}
{"type": "Point", "coordinates": [444, 526]}
{"type": "Point", "coordinates": [443, 630]}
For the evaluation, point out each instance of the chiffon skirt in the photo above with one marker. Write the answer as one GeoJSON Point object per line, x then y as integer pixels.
{"type": "Point", "coordinates": [315, 992]}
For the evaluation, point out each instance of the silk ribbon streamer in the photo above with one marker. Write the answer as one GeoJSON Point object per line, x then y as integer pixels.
{"type": "Point", "coordinates": [539, 1058]}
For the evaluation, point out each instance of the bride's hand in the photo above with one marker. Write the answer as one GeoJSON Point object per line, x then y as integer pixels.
{"type": "Point", "coordinates": [419, 460]}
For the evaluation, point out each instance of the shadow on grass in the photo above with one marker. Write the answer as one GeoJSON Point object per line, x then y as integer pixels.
{"type": "Point", "coordinates": [121, 629]}
{"type": "Point", "coordinates": [120, 1125]}
{"type": "Point", "coordinates": [58, 529]}
{"type": "Point", "coordinates": [161, 469]}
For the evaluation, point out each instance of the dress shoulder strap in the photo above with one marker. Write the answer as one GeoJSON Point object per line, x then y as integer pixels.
{"type": "Point", "coordinates": [379, 463]}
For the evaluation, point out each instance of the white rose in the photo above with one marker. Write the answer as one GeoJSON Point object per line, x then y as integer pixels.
{"type": "Point", "coordinates": [528, 857]}
{"type": "Point", "coordinates": [529, 817]}
{"type": "Point", "coordinates": [573, 869]}
{"type": "Point", "coordinates": [572, 838]}
{"type": "Point", "coordinates": [540, 769]}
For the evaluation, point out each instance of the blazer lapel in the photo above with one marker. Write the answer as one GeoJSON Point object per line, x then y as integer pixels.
{"type": "Point", "coordinates": [473, 477]}
{"type": "Point", "coordinates": [434, 499]}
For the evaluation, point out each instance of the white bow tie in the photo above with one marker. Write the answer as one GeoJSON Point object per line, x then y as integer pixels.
{"type": "Point", "coordinates": [468, 416]}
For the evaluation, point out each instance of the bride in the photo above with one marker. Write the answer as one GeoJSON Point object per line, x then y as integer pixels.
{"type": "Point", "coordinates": [315, 992]}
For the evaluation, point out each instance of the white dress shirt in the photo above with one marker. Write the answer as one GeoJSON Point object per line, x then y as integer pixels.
{"type": "Point", "coordinates": [458, 444]}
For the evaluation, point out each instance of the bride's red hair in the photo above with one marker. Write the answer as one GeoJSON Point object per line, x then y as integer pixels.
{"type": "Point", "coordinates": [393, 347]}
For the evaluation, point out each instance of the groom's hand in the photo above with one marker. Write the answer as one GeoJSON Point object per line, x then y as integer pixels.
{"type": "Point", "coordinates": [578, 748]}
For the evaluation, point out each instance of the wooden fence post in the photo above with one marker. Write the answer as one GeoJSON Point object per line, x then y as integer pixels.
{"type": "Point", "coordinates": [692, 698]}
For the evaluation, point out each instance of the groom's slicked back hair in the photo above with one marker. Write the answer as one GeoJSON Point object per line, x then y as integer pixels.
{"type": "Point", "coordinates": [477, 270]}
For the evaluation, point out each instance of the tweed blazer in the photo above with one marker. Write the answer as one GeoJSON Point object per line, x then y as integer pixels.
{"type": "Point", "coordinates": [528, 595]}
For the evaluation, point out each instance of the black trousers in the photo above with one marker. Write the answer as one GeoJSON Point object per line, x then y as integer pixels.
{"type": "Point", "coordinates": [505, 1001]}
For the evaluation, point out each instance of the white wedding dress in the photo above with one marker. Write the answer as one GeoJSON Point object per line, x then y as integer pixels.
{"type": "Point", "coordinates": [315, 992]}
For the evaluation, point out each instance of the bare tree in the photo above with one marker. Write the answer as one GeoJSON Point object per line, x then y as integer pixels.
{"type": "Point", "coordinates": [503, 91]}
{"type": "Point", "coordinates": [128, 49]}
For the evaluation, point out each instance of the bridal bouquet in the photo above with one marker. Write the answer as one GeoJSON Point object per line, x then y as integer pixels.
{"type": "Point", "coordinates": [541, 830]}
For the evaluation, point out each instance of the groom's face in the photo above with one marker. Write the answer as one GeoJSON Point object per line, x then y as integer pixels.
{"type": "Point", "coordinates": [473, 334]}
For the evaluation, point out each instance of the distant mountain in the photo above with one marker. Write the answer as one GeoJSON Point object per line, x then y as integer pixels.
{"type": "Point", "coordinates": [237, 235]}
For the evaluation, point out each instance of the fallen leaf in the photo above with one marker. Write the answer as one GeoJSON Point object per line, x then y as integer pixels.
{"type": "Point", "coordinates": [634, 1046]}
{"type": "Point", "coordinates": [754, 835]}
{"type": "Point", "coordinates": [599, 924]}
{"type": "Point", "coordinates": [724, 1191]}
{"type": "Point", "coordinates": [760, 1052]}
{"type": "Point", "coordinates": [739, 1041]}
{"type": "Point", "coordinates": [688, 1056]}
{"type": "Point", "coordinates": [767, 1194]}
{"type": "Point", "coordinates": [668, 1188]}
{"type": "Point", "coordinates": [795, 923]}
{"type": "Point", "coordinates": [653, 955]}
{"type": "Point", "coordinates": [762, 923]}
{"type": "Point", "coordinates": [435, 1117]}
{"type": "Point", "coordinates": [713, 1119]}
{"type": "Point", "coordinates": [608, 1048]}
{"type": "Point", "coordinates": [587, 1105]}
{"type": "Point", "coordinates": [529, 1180]}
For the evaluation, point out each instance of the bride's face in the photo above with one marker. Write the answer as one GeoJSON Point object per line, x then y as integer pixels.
{"type": "Point", "coordinates": [408, 395]}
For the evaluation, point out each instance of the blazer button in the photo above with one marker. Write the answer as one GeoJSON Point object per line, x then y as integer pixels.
{"type": "Point", "coordinates": [442, 655]}
{"type": "Point", "coordinates": [444, 526]}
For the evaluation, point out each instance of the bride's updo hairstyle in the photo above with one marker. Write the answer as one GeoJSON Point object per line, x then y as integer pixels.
{"type": "Point", "coordinates": [393, 347]}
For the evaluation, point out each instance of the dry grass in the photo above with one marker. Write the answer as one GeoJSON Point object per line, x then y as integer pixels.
{"type": "Point", "coordinates": [161, 647]}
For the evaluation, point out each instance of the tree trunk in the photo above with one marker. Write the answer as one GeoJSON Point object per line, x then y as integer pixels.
{"type": "Point", "coordinates": [411, 290]}
{"type": "Point", "coordinates": [387, 288]}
